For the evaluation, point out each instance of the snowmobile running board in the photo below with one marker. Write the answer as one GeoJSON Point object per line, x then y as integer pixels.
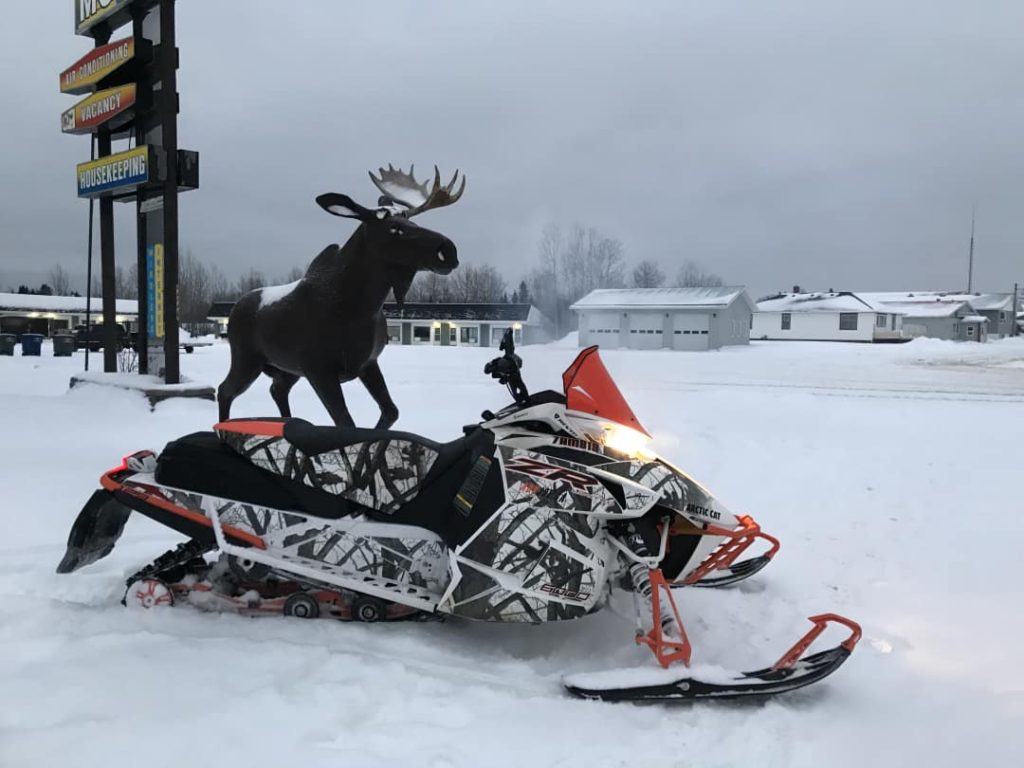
{"type": "Point", "coordinates": [790, 672]}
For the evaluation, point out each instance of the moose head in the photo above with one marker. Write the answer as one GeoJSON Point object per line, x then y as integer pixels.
{"type": "Point", "coordinates": [390, 237]}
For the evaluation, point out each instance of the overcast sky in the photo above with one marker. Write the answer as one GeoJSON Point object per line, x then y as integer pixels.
{"type": "Point", "coordinates": [829, 144]}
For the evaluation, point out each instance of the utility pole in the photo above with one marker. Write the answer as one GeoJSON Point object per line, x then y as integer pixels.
{"type": "Point", "coordinates": [970, 256]}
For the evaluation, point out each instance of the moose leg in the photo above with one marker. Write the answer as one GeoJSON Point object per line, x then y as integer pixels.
{"type": "Point", "coordinates": [242, 374]}
{"type": "Point", "coordinates": [373, 380]}
{"type": "Point", "coordinates": [328, 389]}
{"type": "Point", "coordinates": [283, 383]}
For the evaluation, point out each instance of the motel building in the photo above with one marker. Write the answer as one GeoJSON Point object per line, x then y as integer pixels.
{"type": "Point", "coordinates": [444, 325]}
{"type": "Point", "coordinates": [28, 313]}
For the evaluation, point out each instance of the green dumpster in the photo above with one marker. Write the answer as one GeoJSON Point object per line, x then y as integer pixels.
{"type": "Point", "coordinates": [7, 342]}
{"type": "Point", "coordinates": [63, 345]}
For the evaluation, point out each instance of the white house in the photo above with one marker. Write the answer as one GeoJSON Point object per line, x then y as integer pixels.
{"type": "Point", "coordinates": [825, 316]}
{"type": "Point", "coordinates": [665, 318]}
{"type": "Point", "coordinates": [936, 315]}
{"type": "Point", "coordinates": [31, 313]}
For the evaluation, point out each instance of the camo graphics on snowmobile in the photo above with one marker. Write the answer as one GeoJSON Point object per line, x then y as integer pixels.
{"type": "Point", "coordinates": [534, 515]}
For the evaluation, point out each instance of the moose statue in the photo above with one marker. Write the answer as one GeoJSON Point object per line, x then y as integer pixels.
{"type": "Point", "coordinates": [329, 326]}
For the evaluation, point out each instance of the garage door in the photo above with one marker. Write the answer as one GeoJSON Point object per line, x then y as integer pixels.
{"type": "Point", "coordinates": [690, 331]}
{"type": "Point", "coordinates": [646, 330]}
{"type": "Point", "coordinates": [602, 328]}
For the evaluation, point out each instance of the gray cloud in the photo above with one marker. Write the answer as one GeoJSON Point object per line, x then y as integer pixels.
{"type": "Point", "coordinates": [830, 144]}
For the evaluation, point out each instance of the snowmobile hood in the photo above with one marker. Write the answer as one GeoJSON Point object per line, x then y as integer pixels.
{"type": "Point", "coordinates": [589, 388]}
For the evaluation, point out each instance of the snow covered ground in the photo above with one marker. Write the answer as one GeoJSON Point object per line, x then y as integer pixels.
{"type": "Point", "coordinates": [890, 473]}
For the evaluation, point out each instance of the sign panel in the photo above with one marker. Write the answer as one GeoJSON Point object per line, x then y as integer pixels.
{"type": "Point", "coordinates": [102, 107]}
{"type": "Point", "coordinates": [115, 173]}
{"type": "Point", "coordinates": [155, 291]}
{"type": "Point", "coordinates": [86, 73]}
{"type": "Point", "coordinates": [89, 13]}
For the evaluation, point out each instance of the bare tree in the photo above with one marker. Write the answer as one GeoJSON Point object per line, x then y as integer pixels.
{"type": "Point", "coordinates": [647, 274]}
{"type": "Point", "coordinates": [692, 275]}
{"type": "Point", "coordinates": [58, 280]}
{"type": "Point", "coordinates": [481, 284]}
{"type": "Point", "coordinates": [193, 290]}
{"type": "Point", "coordinates": [126, 284]}
{"type": "Point", "coordinates": [431, 288]}
{"type": "Point", "coordinates": [250, 281]}
{"type": "Point", "coordinates": [571, 266]}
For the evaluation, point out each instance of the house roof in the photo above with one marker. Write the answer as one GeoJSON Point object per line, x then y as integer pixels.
{"type": "Point", "coordinates": [974, 319]}
{"type": "Point", "coordinates": [925, 308]}
{"type": "Point", "coordinates": [822, 301]}
{"type": "Point", "coordinates": [979, 301]}
{"type": "Point", "coordinates": [220, 309]}
{"type": "Point", "coordinates": [661, 298]}
{"type": "Point", "coordinates": [29, 302]}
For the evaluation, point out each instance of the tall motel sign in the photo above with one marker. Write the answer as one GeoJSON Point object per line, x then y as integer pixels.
{"type": "Point", "coordinates": [130, 89]}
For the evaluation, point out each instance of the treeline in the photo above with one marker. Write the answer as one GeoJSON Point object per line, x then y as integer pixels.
{"type": "Point", "coordinates": [571, 262]}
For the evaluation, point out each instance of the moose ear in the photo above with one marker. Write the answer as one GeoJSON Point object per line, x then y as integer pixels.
{"type": "Point", "coordinates": [343, 205]}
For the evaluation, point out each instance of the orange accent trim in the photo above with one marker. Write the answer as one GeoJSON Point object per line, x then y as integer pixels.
{"type": "Point", "coordinates": [739, 540]}
{"type": "Point", "coordinates": [252, 427]}
{"type": "Point", "coordinates": [792, 656]}
{"type": "Point", "coordinates": [110, 484]}
{"type": "Point", "coordinates": [667, 652]}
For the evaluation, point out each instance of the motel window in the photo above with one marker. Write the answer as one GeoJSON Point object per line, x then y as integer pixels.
{"type": "Point", "coordinates": [453, 335]}
{"type": "Point", "coordinates": [469, 335]}
{"type": "Point", "coordinates": [395, 334]}
{"type": "Point", "coordinates": [880, 320]}
{"type": "Point", "coordinates": [787, 319]}
{"type": "Point", "coordinates": [421, 334]}
{"type": "Point", "coordinates": [847, 321]}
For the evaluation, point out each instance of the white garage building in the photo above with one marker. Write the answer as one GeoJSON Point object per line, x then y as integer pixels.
{"type": "Point", "coordinates": [665, 318]}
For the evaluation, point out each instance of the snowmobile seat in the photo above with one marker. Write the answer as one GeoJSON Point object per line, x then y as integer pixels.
{"type": "Point", "coordinates": [313, 440]}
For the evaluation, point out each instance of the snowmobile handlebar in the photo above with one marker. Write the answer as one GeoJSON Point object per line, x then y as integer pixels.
{"type": "Point", "coordinates": [506, 369]}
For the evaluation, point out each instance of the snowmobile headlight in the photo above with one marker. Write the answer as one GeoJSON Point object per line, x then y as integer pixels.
{"type": "Point", "coordinates": [627, 440]}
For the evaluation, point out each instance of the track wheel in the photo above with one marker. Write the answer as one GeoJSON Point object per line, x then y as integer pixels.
{"type": "Point", "coordinates": [369, 609]}
{"type": "Point", "coordinates": [148, 593]}
{"type": "Point", "coordinates": [301, 605]}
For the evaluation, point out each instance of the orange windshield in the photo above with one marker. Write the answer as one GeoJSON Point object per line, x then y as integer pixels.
{"type": "Point", "coordinates": [589, 388]}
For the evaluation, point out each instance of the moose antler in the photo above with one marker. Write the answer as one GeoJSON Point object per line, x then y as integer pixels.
{"type": "Point", "coordinates": [402, 188]}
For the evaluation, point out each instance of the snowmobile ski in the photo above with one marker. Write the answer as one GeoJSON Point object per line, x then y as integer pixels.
{"type": "Point", "coordinates": [790, 672]}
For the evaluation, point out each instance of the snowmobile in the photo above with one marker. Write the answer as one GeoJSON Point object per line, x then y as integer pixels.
{"type": "Point", "coordinates": [535, 514]}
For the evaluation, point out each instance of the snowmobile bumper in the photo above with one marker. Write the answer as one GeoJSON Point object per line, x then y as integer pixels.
{"type": "Point", "coordinates": [95, 531]}
{"type": "Point", "coordinates": [721, 568]}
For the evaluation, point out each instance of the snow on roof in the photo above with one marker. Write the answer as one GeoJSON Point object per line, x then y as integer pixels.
{"type": "Point", "coordinates": [822, 301]}
{"type": "Point", "coordinates": [627, 298]}
{"type": "Point", "coordinates": [974, 319]}
{"type": "Point", "coordinates": [924, 308]}
{"type": "Point", "coordinates": [979, 301]}
{"type": "Point", "coordinates": [34, 303]}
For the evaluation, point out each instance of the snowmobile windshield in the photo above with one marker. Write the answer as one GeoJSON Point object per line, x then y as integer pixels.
{"type": "Point", "coordinates": [589, 388]}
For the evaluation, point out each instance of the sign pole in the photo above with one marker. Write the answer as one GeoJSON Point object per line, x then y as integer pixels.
{"type": "Point", "coordinates": [168, 66]}
{"type": "Point", "coordinates": [109, 288]}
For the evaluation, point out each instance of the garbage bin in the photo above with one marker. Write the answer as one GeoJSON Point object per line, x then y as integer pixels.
{"type": "Point", "coordinates": [32, 344]}
{"type": "Point", "coordinates": [7, 342]}
{"type": "Point", "coordinates": [63, 345]}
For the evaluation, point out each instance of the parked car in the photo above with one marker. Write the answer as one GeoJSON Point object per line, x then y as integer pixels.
{"type": "Point", "coordinates": [92, 337]}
